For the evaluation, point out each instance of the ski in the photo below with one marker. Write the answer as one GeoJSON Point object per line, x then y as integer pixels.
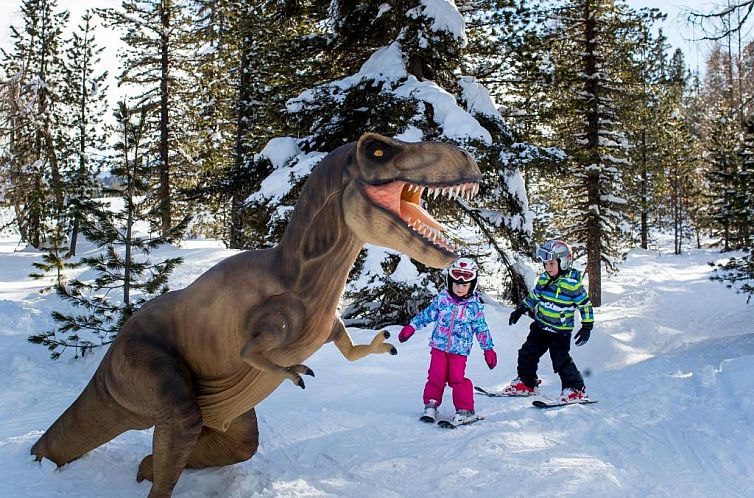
{"type": "Point", "coordinates": [542, 404]}
{"type": "Point", "coordinates": [447, 424]}
{"type": "Point", "coordinates": [500, 394]}
{"type": "Point", "coordinates": [427, 419]}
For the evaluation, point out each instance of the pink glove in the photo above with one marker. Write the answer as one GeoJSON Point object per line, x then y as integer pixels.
{"type": "Point", "coordinates": [490, 357]}
{"type": "Point", "coordinates": [406, 333]}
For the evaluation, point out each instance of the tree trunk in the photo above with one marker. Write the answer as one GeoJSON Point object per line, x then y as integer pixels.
{"type": "Point", "coordinates": [236, 239]}
{"type": "Point", "coordinates": [164, 194]}
{"type": "Point", "coordinates": [594, 229]}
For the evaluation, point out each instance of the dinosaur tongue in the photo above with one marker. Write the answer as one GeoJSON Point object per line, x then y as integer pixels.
{"type": "Point", "coordinates": [413, 211]}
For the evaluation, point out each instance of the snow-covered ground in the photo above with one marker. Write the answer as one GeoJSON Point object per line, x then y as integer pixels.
{"type": "Point", "coordinates": [671, 362]}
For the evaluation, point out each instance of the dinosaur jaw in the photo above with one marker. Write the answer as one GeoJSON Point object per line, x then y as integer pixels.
{"type": "Point", "coordinates": [403, 200]}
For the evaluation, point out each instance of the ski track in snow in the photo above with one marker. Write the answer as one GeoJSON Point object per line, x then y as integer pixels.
{"type": "Point", "coordinates": [671, 361]}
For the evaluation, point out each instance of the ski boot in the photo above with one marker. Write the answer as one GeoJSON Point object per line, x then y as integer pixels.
{"type": "Point", "coordinates": [518, 388]}
{"type": "Point", "coordinates": [573, 395]}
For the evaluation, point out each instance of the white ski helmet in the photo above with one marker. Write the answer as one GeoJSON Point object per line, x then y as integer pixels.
{"type": "Point", "coordinates": [463, 271]}
{"type": "Point", "coordinates": [556, 249]}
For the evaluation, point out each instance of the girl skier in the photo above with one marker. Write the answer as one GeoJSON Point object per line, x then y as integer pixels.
{"type": "Point", "coordinates": [458, 315]}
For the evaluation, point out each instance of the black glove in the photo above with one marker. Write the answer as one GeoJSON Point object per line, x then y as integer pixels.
{"type": "Point", "coordinates": [517, 314]}
{"type": "Point", "coordinates": [582, 336]}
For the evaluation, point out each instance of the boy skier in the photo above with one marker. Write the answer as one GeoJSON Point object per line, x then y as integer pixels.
{"type": "Point", "coordinates": [553, 302]}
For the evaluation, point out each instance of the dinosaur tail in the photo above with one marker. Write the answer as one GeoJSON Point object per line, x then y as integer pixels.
{"type": "Point", "coordinates": [92, 420]}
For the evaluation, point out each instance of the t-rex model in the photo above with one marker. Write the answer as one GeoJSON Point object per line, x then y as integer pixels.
{"type": "Point", "coordinates": [193, 363]}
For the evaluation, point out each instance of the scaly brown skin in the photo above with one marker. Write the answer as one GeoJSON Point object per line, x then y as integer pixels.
{"type": "Point", "coordinates": [194, 363]}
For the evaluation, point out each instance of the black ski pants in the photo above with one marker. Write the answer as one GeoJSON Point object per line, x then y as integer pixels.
{"type": "Point", "coordinates": [537, 343]}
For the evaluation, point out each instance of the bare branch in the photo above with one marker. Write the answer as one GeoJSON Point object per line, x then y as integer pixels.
{"type": "Point", "coordinates": [742, 9]}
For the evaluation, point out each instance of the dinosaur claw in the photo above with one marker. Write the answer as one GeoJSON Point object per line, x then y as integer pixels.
{"type": "Point", "coordinates": [300, 384]}
{"type": "Point", "coordinates": [386, 334]}
{"type": "Point", "coordinates": [309, 372]}
{"type": "Point", "coordinates": [393, 351]}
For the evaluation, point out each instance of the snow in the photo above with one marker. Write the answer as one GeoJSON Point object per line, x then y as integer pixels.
{"type": "Point", "coordinates": [387, 65]}
{"type": "Point", "coordinates": [477, 97]}
{"type": "Point", "coordinates": [671, 361]}
{"type": "Point", "coordinates": [445, 18]}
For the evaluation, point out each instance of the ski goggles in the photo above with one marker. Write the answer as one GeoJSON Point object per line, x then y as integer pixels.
{"type": "Point", "coordinates": [545, 255]}
{"type": "Point", "coordinates": [462, 275]}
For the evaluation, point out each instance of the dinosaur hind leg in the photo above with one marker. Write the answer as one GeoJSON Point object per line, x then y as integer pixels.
{"type": "Point", "coordinates": [214, 448]}
{"type": "Point", "coordinates": [92, 420]}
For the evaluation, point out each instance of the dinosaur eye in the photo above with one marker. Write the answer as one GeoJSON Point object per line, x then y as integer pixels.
{"type": "Point", "coordinates": [379, 151]}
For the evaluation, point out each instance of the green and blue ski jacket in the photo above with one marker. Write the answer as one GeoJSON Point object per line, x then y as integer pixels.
{"type": "Point", "coordinates": [554, 301]}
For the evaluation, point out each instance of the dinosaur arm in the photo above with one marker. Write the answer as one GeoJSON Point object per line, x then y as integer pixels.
{"type": "Point", "coordinates": [251, 355]}
{"type": "Point", "coordinates": [353, 352]}
{"type": "Point", "coordinates": [272, 324]}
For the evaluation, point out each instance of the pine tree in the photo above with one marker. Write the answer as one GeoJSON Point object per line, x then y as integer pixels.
{"type": "Point", "coordinates": [30, 167]}
{"type": "Point", "coordinates": [644, 177]}
{"type": "Point", "coordinates": [680, 154]}
{"type": "Point", "coordinates": [214, 73]}
{"type": "Point", "coordinates": [398, 75]}
{"type": "Point", "coordinates": [81, 131]}
{"type": "Point", "coordinates": [158, 47]}
{"type": "Point", "coordinates": [593, 40]}
{"type": "Point", "coordinates": [255, 59]}
{"type": "Point", "coordinates": [739, 272]}
{"type": "Point", "coordinates": [85, 97]}
{"type": "Point", "coordinates": [125, 277]}
{"type": "Point", "coordinates": [720, 140]}
{"type": "Point", "coordinates": [509, 53]}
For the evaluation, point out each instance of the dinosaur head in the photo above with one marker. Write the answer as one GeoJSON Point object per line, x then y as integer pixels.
{"type": "Point", "coordinates": [386, 181]}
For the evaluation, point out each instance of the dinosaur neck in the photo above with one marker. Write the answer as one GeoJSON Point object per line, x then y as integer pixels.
{"type": "Point", "coordinates": [317, 242]}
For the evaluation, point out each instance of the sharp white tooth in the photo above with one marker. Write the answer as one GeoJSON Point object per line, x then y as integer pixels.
{"type": "Point", "coordinates": [410, 188]}
{"type": "Point", "coordinates": [433, 192]}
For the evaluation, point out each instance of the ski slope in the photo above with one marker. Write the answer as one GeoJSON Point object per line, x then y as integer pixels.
{"type": "Point", "coordinates": [671, 361]}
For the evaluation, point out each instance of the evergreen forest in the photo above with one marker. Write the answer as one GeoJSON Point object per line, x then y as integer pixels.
{"type": "Point", "coordinates": [587, 126]}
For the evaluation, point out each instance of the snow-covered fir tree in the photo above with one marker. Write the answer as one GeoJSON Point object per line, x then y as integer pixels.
{"type": "Point", "coordinates": [509, 53]}
{"type": "Point", "coordinates": [591, 55]}
{"type": "Point", "coordinates": [401, 77]}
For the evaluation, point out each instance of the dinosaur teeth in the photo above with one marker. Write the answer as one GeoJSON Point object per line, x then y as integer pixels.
{"type": "Point", "coordinates": [429, 233]}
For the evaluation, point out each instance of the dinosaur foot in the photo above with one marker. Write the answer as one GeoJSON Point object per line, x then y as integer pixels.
{"type": "Point", "coordinates": [296, 371]}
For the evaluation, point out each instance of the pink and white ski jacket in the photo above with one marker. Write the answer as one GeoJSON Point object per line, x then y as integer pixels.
{"type": "Point", "coordinates": [456, 322]}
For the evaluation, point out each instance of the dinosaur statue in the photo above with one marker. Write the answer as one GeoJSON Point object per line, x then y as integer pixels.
{"type": "Point", "coordinates": [193, 363]}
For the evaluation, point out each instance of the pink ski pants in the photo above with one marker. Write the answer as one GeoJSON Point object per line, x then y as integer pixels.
{"type": "Point", "coordinates": [450, 369]}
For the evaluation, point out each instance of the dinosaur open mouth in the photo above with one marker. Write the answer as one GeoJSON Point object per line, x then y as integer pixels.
{"type": "Point", "coordinates": [404, 200]}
